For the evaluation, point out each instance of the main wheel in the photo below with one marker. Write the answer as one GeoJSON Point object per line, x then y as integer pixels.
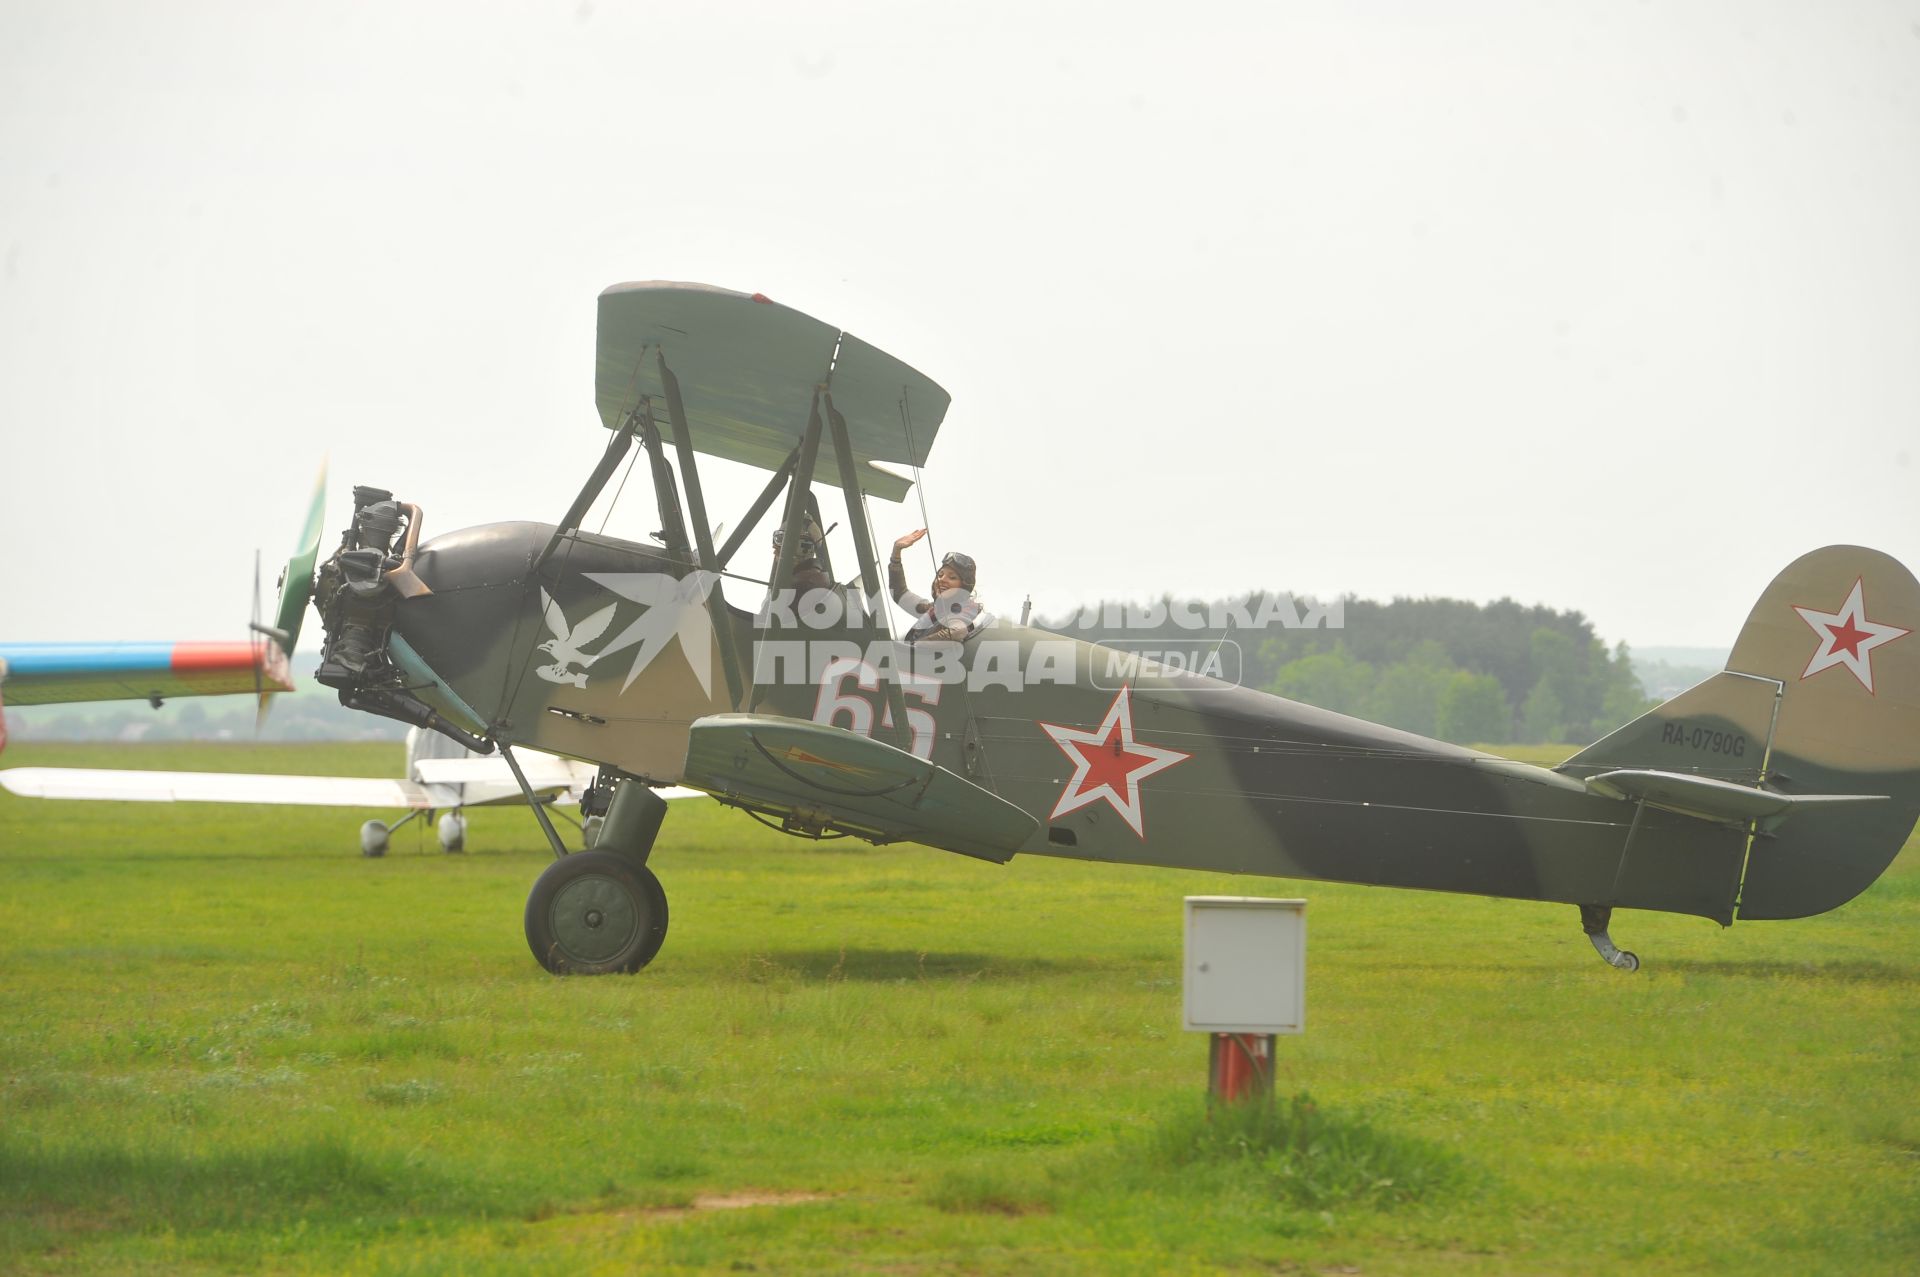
{"type": "Point", "coordinates": [453, 832]}
{"type": "Point", "coordinates": [596, 912]}
{"type": "Point", "coordinates": [373, 839]}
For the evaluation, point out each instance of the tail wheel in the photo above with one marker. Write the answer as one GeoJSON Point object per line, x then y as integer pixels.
{"type": "Point", "coordinates": [596, 912]}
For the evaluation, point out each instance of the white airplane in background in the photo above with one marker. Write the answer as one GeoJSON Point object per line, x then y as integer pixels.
{"type": "Point", "coordinates": [442, 776]}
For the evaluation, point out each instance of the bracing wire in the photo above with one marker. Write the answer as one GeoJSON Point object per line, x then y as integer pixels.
{"type": "Point", "coordinates": [631, 458]}
{"type": "Point", "coordinates": [919, 481]}
{"type": "Point", "coordinates": [511, 679]}
{"type": "Point", "coordinates": [886, 613]}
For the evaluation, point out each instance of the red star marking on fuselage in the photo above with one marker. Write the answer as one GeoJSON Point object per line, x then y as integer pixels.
{"type": "Point", "coordinates": [1847, 637]}
{"type": "Point", "coordinates": [1109, 764]}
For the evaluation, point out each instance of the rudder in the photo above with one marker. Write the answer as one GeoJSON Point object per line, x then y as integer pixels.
{"type": "Point", "coordinates": [1821, 696]}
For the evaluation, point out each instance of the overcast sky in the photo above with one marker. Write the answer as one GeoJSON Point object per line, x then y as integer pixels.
{"type": "Point", "coordinates": [1605, 306]}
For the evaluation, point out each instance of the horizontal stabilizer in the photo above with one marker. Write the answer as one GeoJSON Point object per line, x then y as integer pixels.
{"type": "Point", "coordinates": [829, 778]}
{"type": "Point", "coordinates": [1710, 799]}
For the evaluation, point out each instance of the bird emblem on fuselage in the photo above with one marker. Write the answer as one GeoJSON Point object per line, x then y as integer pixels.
{"type": "Point", "coordinates": [567, 641]}
{"type": "Point", "coordinates": [675, 612]}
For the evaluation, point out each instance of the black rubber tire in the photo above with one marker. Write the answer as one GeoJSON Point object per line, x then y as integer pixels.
{"type": "Point", "coordinates": [596, 913]}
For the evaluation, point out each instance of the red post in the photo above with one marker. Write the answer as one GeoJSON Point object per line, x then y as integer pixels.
{"type": "Point", "coordinates": [1240, 1067]}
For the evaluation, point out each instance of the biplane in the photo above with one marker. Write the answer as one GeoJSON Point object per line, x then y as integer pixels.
{"type": "Point", "coordinates": [1779, 788]}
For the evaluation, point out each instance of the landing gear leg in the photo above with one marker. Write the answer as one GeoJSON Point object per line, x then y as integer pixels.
{"type": "Point", "coordinates": [601, 911]}
{"type": "Point", "coordinates": [632, 821]}
{"type": "Point", "coordinates": [1594, 920]}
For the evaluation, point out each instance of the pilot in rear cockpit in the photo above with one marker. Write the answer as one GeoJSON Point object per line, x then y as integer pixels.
{"type": "Point", "coordinates": [808, 573]}
{"type": "Point", "coordinates": [952, 613]}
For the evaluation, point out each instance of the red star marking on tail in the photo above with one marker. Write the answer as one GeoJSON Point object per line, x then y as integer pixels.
{"type": "Point", "coordinates": [1847, 637]}
{"type": "Point", "coordinates": [1109, 764]}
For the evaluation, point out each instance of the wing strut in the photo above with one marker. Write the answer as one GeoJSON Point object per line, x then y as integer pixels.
{"type": "Point", "coordinates": [796, 512]}
{"type": "Point", "coordinates": [758, 510]}
{"type": "Point", "coordinates": [869, 566]}
{"type": "Point", "coordinates": [673, 524]}
{"type": "Point", "coordinates": [533, 801]}
{"type": "Point", "coordinates": [610, 460]}
{"type": "Point", "coordinates": [702, 531]}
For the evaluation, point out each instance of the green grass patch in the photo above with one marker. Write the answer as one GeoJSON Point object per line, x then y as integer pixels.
{"type": "Point", "coordinates": [1300, 1152]}
{"type": "Point", "coordinates": [228, 1043]}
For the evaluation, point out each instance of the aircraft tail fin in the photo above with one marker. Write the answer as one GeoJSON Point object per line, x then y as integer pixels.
{"type": "Point", "coordinates": [1819, 706]}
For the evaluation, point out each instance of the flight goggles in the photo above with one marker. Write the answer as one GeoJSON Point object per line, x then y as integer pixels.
{"type": "Point", "coordinates": [961, 563]}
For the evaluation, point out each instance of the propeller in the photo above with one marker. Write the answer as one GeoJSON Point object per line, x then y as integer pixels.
{"type": "Point", "coordinates": [254, 627]}
{"type": "Point", "coordinates": [296, 591]}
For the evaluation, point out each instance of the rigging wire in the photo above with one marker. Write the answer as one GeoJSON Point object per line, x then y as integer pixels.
{"type": "Point", "coordinates": [886, 613]}
{"type": "Point", "coordinates": [919, 482]}
{"type": "Point", "coordinates": [631, 458]}
{"type": "Point", "coordinates": [512, 680]}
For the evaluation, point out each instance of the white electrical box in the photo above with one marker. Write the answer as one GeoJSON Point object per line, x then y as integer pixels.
{"type": "Point", "coordinates": [1246, 965]}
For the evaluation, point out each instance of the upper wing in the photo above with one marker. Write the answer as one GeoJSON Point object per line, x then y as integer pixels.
{"type": "Point", "coordinates": [747, 368]}
{"type": "Point", "coordinates": [218, 787]}
{"type": "Point", "coordinates": [52, 673]}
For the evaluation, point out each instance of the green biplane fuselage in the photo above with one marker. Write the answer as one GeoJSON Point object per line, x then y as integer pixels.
{"type": "Point", "coordinates": [1015, 739]}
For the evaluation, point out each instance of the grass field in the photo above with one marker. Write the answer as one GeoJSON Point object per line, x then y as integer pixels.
{"type": "Point", "coordinates": [229, 1043]}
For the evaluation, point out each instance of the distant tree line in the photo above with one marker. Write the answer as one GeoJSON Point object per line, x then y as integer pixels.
{"type": "Point", "coordinates": [312, 713]}
{"type": "Point", "coordinates": [1466, 672]}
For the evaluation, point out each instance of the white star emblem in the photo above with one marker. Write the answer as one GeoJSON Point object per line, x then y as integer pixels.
{"type": "Point", "coordinates": [675, 609]}
{"type": "Point", "coordinates": [1109, 764]}
{"type": "Point", "coordinates": [1847, 638]}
